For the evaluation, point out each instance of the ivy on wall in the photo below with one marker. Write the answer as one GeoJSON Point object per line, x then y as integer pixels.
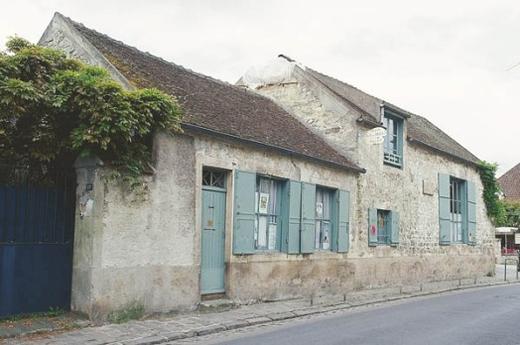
{"type": "Point", "coordinates": [54, 109]}
{"type": "Point", "coordinates": [495, 207]}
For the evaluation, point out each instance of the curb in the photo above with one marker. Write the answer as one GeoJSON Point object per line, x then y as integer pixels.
{"type": "Point", "coordinates": [313, 310]}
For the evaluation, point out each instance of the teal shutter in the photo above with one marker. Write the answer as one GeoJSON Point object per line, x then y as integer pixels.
{"type": "Point", "coordinates": [308, 219]}
{"type": "Point", "coordinates": [394, 231]}
{"type": "Point", "coordinates": [444, 209]}
{"type": "Point", "coordinates": [244, 220]}
{"type": "Point", "coordinates": [340, 238]}
{"type": "Point", "coordinates": [372, 227]}
{"type": "Point", "coordinates": [292, 216]}
{"type": "Point", "coordinates": [472, 213]}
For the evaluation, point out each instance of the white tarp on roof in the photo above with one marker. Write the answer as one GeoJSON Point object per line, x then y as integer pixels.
{"type": "Point", "coordinates": [276, 71]}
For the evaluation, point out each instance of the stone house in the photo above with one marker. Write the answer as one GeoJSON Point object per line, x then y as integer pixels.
{"type": "Point", "coordinates": [257, 202]}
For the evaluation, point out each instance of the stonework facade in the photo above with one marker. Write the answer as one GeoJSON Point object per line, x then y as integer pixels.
{"type": "Point", "coordinates": [145, 248]}
{"type": "Point", "coordinates": [411, 190]}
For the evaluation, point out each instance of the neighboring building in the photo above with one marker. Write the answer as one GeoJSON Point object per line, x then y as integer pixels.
{"type": "Point", "coordinates": [510, 184]}
{"type": "Point", "coordinates": [251, 203]}
{"type": "Point", "coordinates": [506, 236]}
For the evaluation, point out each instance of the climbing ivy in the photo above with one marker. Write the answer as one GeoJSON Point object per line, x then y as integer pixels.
{"type": "Point", "coordinates": [54, 109]}
{"type": "Point", "coordinates": [495, 207]}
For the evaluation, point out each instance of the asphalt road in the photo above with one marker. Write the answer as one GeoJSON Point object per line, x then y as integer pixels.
{"type": "Point", "coordinates": [476, 316]}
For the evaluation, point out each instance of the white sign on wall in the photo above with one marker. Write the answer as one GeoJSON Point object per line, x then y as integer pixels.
{"type": "Point", "coordinates": [517, 238]}
{"type": "Point", "coordinates": [376, 136]}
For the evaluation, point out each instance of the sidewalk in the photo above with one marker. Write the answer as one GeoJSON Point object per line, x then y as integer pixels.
{"type": "Point", "coordinates": [168, 328]}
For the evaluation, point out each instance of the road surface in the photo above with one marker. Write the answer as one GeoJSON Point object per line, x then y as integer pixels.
{"type": "Point", "coordinates": [477, 316]}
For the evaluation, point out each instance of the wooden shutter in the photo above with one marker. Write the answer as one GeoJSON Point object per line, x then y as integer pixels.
{"type": "Point", "coordinates": [444, 209]}
{"type": "Point", "coordinates": [308, 219]}
{"type": "Point", "coordinates": [372, 227]}
{"type": "Point", "coordinates": [472, 213]}
{"type": "Point", "coordinates": [244, 213]}
{"type": "Point", "coordinates": [394, 231]}
{"type": "Point", "coordinates": [340, 238]}
{"type": "Point", "coordinates": [292, 216]}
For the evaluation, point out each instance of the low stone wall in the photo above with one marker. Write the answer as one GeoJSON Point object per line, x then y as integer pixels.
{"type": "Point", "coordinates": [274, 280]}
{"type": "Point", "coordinates": [511, 259]}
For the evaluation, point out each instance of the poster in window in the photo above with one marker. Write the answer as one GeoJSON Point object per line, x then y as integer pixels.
{"type": "Point", "coordinates": [263, 203]}
{"type": "Point", "coordinates": [325, 237]}
{"type": "Point", "coordinates": [319, 210]}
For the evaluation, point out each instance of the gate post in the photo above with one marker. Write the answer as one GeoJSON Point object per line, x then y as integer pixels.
{"type": "Point", "coordinates": [87, 233]}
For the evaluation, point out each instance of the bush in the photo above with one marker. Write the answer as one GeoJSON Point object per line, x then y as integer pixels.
{"type": "Point", "coordinates": [53, 109]}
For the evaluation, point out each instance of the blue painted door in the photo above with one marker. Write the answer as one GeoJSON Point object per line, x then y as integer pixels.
{"type": "Point", "coordinates": [213, 237]}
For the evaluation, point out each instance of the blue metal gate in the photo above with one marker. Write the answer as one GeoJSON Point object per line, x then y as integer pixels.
{"type": "Point", "coordinates": [36, 238]}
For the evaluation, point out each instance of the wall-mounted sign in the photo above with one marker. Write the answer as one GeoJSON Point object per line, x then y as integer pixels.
{"type": "Point", "coordinates": [428, 187]}
{"type": "Point", "coordinates": [376, 136]}
{"type": "Point", "coordinates": [517, 238]}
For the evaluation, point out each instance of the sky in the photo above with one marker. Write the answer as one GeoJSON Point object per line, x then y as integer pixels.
{"type": "Point", "coordinates": [450, 61]}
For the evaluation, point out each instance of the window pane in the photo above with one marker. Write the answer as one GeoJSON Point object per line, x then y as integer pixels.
{"type": "Point", "coordinates": [317, 234]}
{"type": "Point", "coordinates": [262, 232]}
{"type": "Point", "coordinates": [267, 213]}
{"type": "Point", "coordinates": [393, 140]}
{"type": "Point", "coordinates": [326, 204]}
{"type": "Point", "coordinates": [325, 235]}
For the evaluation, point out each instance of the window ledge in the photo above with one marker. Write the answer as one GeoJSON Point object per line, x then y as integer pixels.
{"type": "Point", "coordinates": [392, 164]}
{"type": "Point", "coordinates": [275, 256]}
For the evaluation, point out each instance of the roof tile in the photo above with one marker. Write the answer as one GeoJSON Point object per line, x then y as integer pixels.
{"type": "Point", "coordinates": [510, 183]}
{"type": "Point", "coordinates": [214, 105]}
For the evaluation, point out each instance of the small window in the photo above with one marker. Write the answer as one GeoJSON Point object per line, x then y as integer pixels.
{"type": "Point", "coordinates": [267, 206]}
{"type": "Point", "coordinates": [393, 144]}
{"type": "Point", "coordinates": [324, 204]}
{"type": "Point", "coordinates": [457, 209]}
{"type": "Point", "coordinates": [214, 178]}
{"type": "Point", "coordinates": [383, 226]}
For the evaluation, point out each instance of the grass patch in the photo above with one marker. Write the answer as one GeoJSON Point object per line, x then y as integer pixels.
{"type": "Point", "coordinates": [53, 312]}
{"type": "Point", "coordinates": [132, 312]}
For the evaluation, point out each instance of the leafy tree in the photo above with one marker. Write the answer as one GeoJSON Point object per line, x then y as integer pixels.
{"type": "Point", "coordinates": [512, 210]}
{"type": "Point", "coordinates": [53, 109]}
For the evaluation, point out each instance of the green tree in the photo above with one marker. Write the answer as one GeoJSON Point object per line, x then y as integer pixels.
{"type": "Point", "coordinates": [53, 109]}
{"type": "Point", "coordinates": [512, 210]}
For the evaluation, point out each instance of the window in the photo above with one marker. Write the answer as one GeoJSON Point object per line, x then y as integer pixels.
{"type": "Point", "coordinates": [272, 214]}
{"type": "Point", "coordinates": [324, 224]}
{"type": "Point", "coordinates": [383, 226]}
{"type": "Point", "coordinates": [213, 178]}
{"type": "Point", "coordinates": [393, 144]}
{"type": "Point", "coordinates": [267, 209]}
{"type": "Point", "coordinates": [457, 210]}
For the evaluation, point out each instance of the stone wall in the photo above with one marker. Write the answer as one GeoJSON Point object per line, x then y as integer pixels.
{"type": "Point", "coordinates": [412, 190]}
{"type": "Point", "coordinates": [144, 248]}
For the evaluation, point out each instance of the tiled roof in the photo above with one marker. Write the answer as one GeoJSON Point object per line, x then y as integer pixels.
{"type": "Point", "coordinates": [510, 183]}
{"type": "Point", "coordinates": [214, 106]}
{"type": "Point", "coordinates": [420, 130]}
